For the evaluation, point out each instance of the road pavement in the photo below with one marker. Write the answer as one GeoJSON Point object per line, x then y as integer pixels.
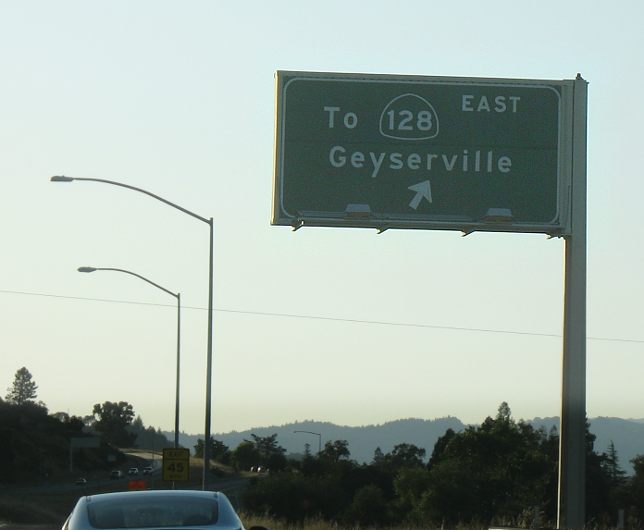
{"type": "Point", "coordinates": [14, 526]}
{"type": "Point", "coordinates": [66, 494]}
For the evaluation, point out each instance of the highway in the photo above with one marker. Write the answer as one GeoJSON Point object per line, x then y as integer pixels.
{"type": "Point", "coordinates": [54, 500]}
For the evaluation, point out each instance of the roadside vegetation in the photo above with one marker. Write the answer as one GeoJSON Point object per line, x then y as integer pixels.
{"type": "Point", "coordinates": [35, 445]}
{"type": "Point", "coordinates": [500, 473]}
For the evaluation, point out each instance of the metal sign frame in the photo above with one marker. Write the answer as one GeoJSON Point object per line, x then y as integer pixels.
{"type": "Point", "coordinates": [356, 212]}
{"type": "Point", "coordinates": [571, 505]}
{"type": "Point", "coordinates": [569, 223]}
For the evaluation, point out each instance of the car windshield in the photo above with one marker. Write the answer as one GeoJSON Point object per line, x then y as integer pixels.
{"type": "Point", "coordinates": [160, 511]}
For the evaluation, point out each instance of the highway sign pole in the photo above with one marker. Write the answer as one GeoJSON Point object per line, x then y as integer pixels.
{"type": "Point", "coordinates": [468, 154]}
{"type": "Point", "coordinates": [572, 447]}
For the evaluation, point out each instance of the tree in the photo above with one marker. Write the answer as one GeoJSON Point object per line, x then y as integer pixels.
{"type": "Point", "coordinates": [488, 472]}
{"type": "Point", "coordinates": [137, 424]}
{"type": "Point", "coordinates": [73, 422]}
{"type": "Point", "coordinates": [267, 445]}
{"type": "Point", "coordinates": [335, 451]}
{"type": "Point", "coordinates": [636, 487]}
{"type": "Point", "coordinates": [617, 484]}
{"type": "Point", "coordinates": [406, 455]}
{"type": "Point", "coordinates": [504, 414]}
{"type": "Point", "coordinates": [218, 450]}
{"type": "Point", "coordinates": [368, 507]}
{"type": "Point", "coordinates": [378, 456]}
{"type": "Point", "coordinates": [271, 455]}
{"type": "Point", "coordinates": [611, 466]}
{"type": "Point", "coordinates": [23, 390]}
{"type": "Point", "coordinates": [112, 420]}
{"type": "Point", "coordinates": [598, 483]}
{"type": "Point", "coordinates": [410, 484]}
{"type": "Point", "coordinates": [441, 446]}
{"type": "Point", "coordinates": [294, 497]}
{"type": "Point", "coordinates": [147, 437]}
{"type": "Point", "coordinates": [245, 456]}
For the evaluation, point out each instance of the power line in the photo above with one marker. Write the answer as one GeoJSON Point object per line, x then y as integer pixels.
{"type": "Point", "coordinates": [318, 317]}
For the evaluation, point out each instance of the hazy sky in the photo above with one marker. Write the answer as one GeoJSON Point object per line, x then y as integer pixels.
{"type": "Point", "coordinates": [340, 325]}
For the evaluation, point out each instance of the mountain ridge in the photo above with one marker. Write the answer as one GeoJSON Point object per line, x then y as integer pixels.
{"type": "Point", "coordinates": [627, 435]}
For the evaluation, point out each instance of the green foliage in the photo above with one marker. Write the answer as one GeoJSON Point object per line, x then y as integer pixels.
{"type": "Point", "coordinates": [402, 456]}
{"type": "Point", "coordinates": [495, 473]}
{"type": "Point", "coordinates": [147, 437]}
{"type": "Point", "coordinates": [327, 486]}
{"type": "Point", "coordinates": [23, 389]}
{"type": "Point", "coordinates": [611, 466]}
{"type": "Point", "coordinates": [441, 446]}
{"type": "Point", "coordinates": [245, 456]}
{"type": "Point", "coordinates": [617, 481]}
{"type": "Point", "coordinates": [499, 468]}
{"type": "Point", "coordinates": [369, 506]}
{"type": "Point", "coordinates": [218, 450]}
{"type": "Point", "coordinates": [410, 485]}
{"type": "Point", "coordinates": [112, 420]}
{"type": "Point", "coordinates": [261, 451]}
{"type": "Point", "coordinates": [635, 493]}
{"type": "Point", "coordinates": [294, 497]}
{"type": "Point", "coordinates": [598, 483]}
{"type": "Point", "coordinates": [335, 451]}
{"type": "Point", "coordinates": [267, 445]}
{"type": "Point", "coordinates": [35, 445]}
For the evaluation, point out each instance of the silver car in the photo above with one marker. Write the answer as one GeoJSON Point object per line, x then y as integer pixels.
{"type": "Point", "coordinates": [157, 509]}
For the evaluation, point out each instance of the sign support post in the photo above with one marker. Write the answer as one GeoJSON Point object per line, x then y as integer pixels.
{"type": "Point", "coordinates": [572, 443]}
{"type": "Point", "coordinates": [467, 154]}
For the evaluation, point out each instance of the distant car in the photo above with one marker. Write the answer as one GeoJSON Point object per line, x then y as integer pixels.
{"type": "Point", "coordinates": [147, 470]}
{"type": "Point", "coordinates": [155, 509]}
{"type": "Point", "coordinates": [133, 471]}
{"type": "Point", "coordinates": [117, 473]}
{"type": "Point", "coordinates": [81, 481]}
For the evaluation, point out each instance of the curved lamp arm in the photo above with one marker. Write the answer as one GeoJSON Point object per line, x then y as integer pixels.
{"type": "Point", "coordinates": [63, 178]}
{"type": "Point", "coordinates": [92, 269]}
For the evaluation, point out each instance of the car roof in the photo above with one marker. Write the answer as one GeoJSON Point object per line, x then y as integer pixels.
{"type": "Point", "coordinates": [115, 496]}
{"type": "Point", "coordinates": [227, 518]}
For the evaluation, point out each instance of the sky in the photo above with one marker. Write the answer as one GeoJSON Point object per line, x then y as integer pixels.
{"type": "Point", "coordinates": [328, 324]}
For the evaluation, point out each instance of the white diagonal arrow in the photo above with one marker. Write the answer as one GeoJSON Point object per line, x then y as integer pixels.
{"type": "Point", "coordinates": [423, 190]}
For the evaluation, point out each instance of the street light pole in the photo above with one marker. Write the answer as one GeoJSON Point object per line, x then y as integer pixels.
{"type": "Point", "coordinates": [319, 439]}
{"type": "Point", "coordinates": [209, 222]}
{"type": "Point", "coordinates": [178, 297]}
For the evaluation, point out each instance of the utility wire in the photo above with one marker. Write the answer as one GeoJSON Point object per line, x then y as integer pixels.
{"type": "Point", "coordinates": [317, 317]}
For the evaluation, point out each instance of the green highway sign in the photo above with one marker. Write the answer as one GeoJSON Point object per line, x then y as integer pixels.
{"type": "Point", "coordinates": [382, 151]}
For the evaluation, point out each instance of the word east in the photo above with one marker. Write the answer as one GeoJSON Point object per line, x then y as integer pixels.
{"type": "Point", "coordinates": [471, 103]}
{"type": "Point", "coordinates": [474, 162]}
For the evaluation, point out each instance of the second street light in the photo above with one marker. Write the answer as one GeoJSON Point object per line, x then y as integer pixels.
{"type": "Point", "coordinates": [178, 297]}
{"type": "Point", "coordinates": [210, 223]}
{"type": "Point", "coordinates": [319, 439]}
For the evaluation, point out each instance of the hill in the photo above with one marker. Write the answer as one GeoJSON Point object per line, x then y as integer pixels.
{"type": "Point", "coordinates": [363, 441]}
{"type": "Point", "coordinates": [627, 436]}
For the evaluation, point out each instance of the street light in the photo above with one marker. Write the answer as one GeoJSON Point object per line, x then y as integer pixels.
{"type": "Point", "coordinates": [178, 297]}
{"type": "Point", "coordinates": [319, 439]}
{"type": "Point", "coordinates": [209, 222]}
